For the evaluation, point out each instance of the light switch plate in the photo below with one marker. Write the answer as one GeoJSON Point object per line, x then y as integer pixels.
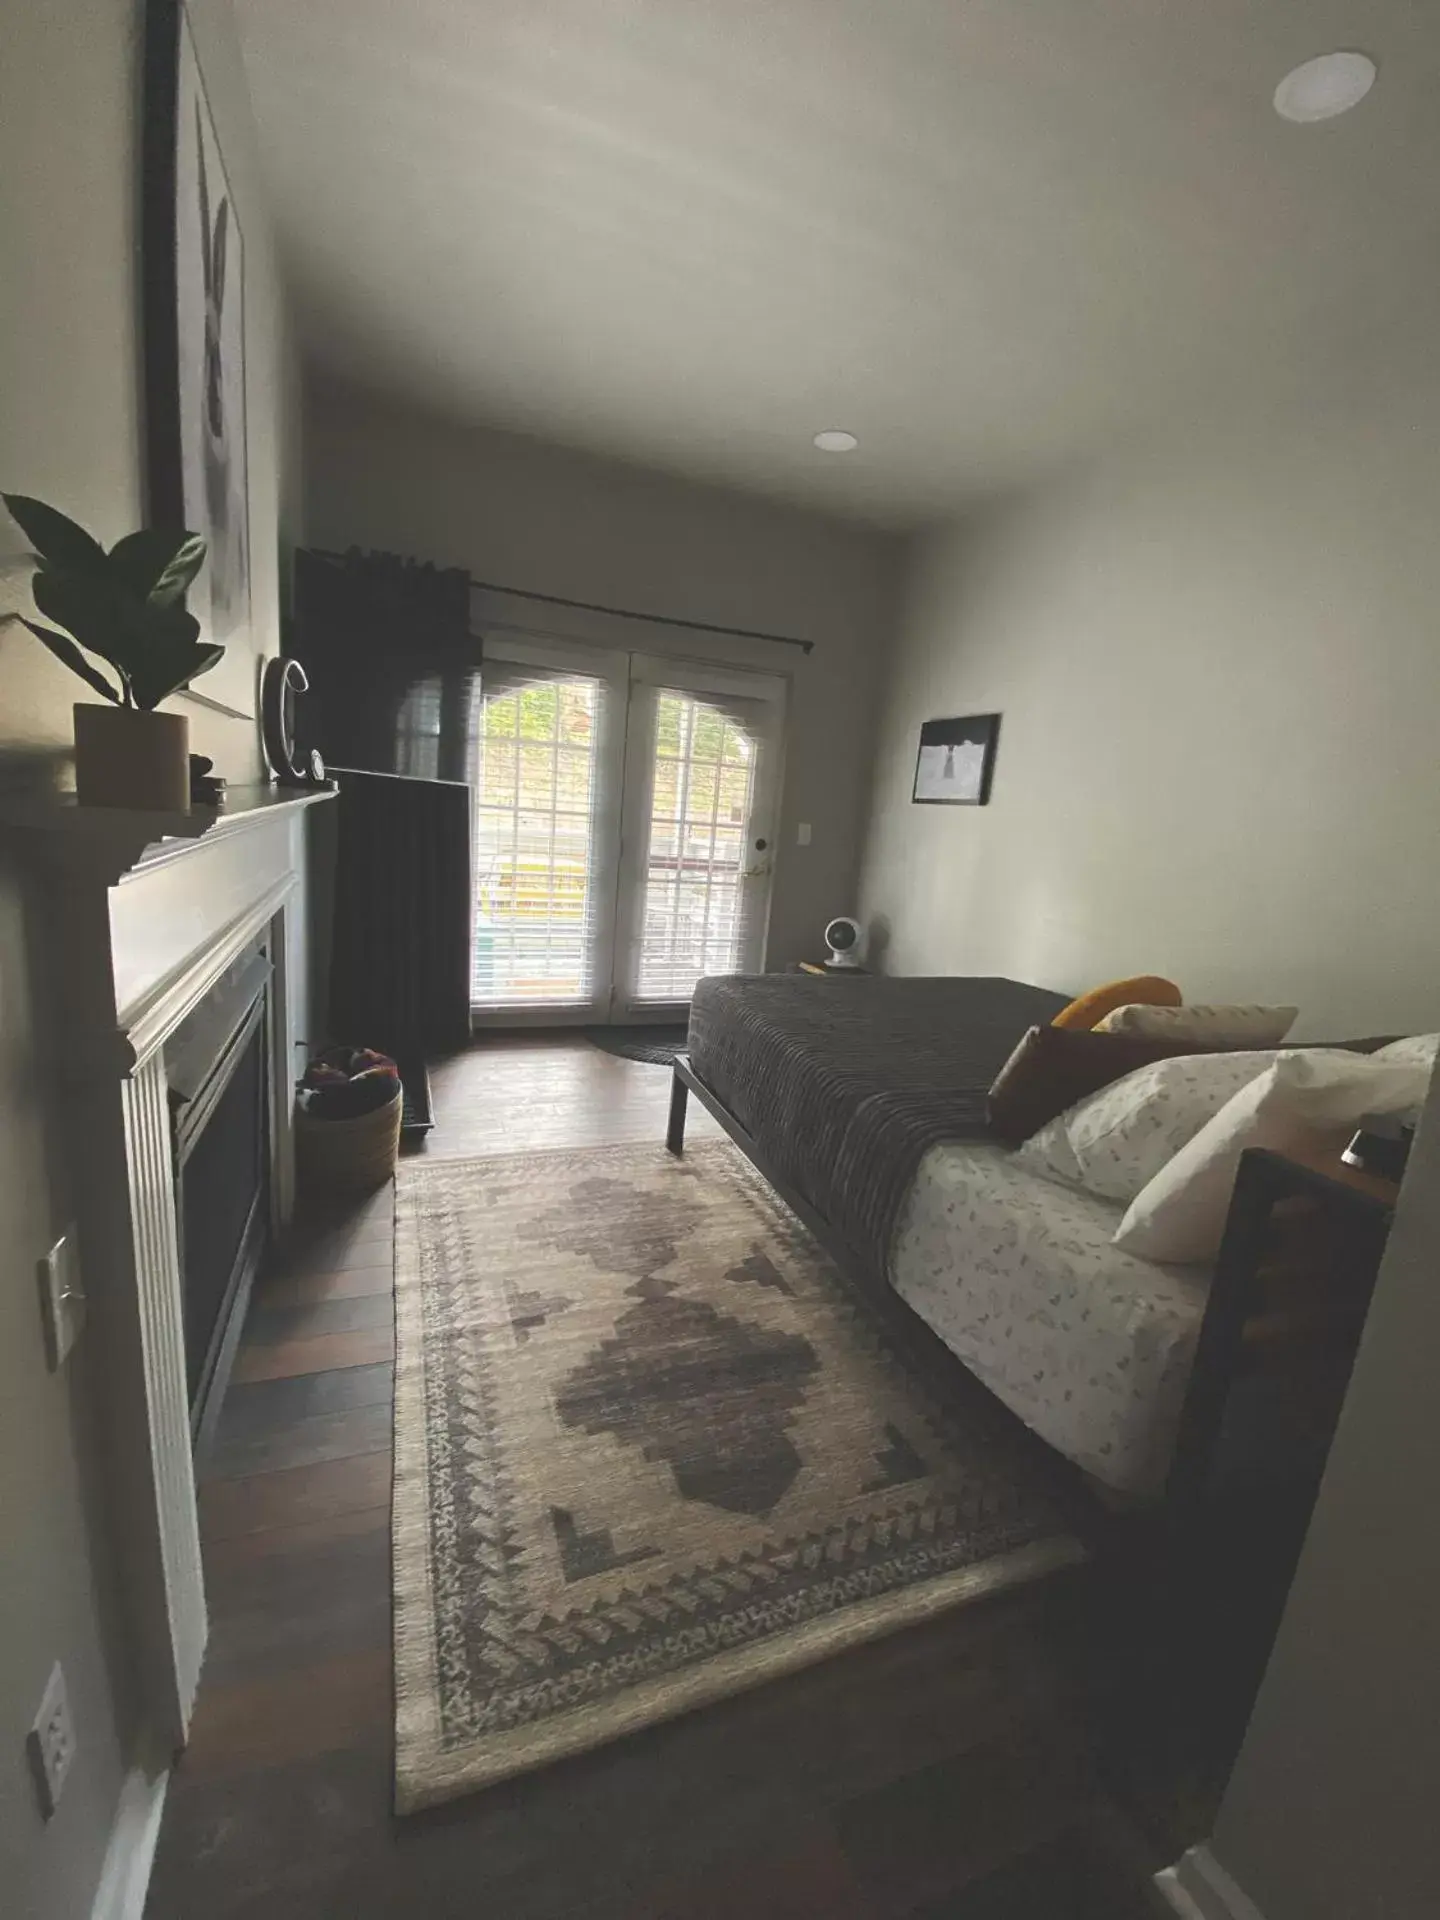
{"type": "Point", "coordinates": [802, 834]}
{"type": "Point", "coordinates": [62, 1299]}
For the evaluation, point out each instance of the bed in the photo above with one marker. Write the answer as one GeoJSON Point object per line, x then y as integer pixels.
{"type": "Point", "coordinates": [1089, 1345]}
{"type": "Point", "coordinates": [844, 1082]}
{"type": "Point", "coordinates": [863, 1101]}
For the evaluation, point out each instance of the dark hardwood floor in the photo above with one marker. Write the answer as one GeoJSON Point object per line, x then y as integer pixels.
{"type": "Point", "coordinates": [947, 1773]}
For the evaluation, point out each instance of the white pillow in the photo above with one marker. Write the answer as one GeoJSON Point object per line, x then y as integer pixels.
{"type": "Point", "coordinates": [1114, 1142]}
{"type": "Point", "coordinates": [1418, 1051]}
{"type": "Point", "coordinates": [1312, 1098]}
{"type": "Point", "coordinates": [1207, 1026]}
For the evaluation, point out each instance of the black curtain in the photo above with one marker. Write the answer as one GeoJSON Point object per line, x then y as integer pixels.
{"type": "Point", "coordinates": [392, 664]}
{"type": "Point", "coordinates": [400, 954]}
{"type": "Point", "coordinates": [394, 676]}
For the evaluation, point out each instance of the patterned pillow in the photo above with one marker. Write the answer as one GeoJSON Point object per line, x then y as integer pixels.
{"type": "Point", "coordinates": [1417, 1052]}
{"type": "Point", "coordinates": [1211, 1026]}
{"type": "Point", "coordinates": [1305, 1099]}
{"type": "Point", "coordinates": [1116, 1141]}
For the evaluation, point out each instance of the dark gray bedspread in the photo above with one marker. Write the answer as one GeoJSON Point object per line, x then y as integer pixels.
{"type": "Point", "coordinates": [844, 1083]}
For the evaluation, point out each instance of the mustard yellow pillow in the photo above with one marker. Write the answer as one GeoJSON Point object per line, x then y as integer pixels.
{"type": "Point", "coordinates": [1145, 990]}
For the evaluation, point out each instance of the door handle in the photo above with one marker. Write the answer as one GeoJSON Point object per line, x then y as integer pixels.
{"type": "Point", "coordinates": [756, 869]}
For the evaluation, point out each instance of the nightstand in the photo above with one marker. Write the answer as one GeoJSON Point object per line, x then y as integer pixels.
{"type": "Point", "coordinates": [1291, 1288]}
{"type": "Point", "coordinates": [823, 967]}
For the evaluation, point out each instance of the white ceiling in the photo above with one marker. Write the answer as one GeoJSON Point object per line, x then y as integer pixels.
{"type": "Point", "coordinates": [988, 236]}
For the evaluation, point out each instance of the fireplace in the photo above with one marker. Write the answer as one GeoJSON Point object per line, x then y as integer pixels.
{"type": "Point", "coordinates": [175, 949]}
{"type": "Point", "coordinates": [216, 1070]}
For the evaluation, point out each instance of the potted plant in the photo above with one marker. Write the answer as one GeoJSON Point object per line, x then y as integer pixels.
{"type": "Point", "coordinates": [127, 607]}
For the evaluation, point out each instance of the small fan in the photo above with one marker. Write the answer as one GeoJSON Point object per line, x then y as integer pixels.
{"type": "Point", "coordinates": [843, 937]}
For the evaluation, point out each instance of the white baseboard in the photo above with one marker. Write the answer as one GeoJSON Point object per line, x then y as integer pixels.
{"type": "Point", "coordinates": [1197, 1887]}
{"type": "Point", "coordinates": [125, 1877]}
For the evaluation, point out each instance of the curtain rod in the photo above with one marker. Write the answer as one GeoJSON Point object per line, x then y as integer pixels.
{"type": "Point", "coordinates": [620, 613]}
{"type": "Point", "coordinates": [656, 619]}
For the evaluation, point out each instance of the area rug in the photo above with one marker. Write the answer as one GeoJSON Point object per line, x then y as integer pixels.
{"type": "Point", "coordinates": [656, 1046]}
{"type": "Point", "coordinates": [651, 1449]}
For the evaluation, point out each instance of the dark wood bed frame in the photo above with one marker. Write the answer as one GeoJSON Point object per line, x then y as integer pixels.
{"type": "Point", "coordinates": [1236, 1298]}
{"type": "Point", "coordinates": [686, 1081]}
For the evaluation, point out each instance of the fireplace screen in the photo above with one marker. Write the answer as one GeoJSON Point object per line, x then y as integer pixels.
{"type": "Point", "coordinates": [219, 1098]}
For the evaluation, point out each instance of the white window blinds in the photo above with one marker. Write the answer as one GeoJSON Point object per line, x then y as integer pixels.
{"type": "Point", "coordinates": [540, 891]}
{"type": "Point", "coordinates": [701, 911]}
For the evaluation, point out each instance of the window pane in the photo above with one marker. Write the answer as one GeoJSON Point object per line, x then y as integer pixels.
{"type": "Point", "coordinates": [534, 835]}
{"type": "Point", "coordinates": [703, 783]}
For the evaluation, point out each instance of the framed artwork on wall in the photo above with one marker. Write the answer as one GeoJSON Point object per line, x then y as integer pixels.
{"type": "Point", "coordinates": [956, 761]}
{"type": "Point", "coordinates": [194, 279]}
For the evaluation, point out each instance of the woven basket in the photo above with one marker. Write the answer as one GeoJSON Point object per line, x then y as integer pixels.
{"type": "Point", "coordinates": [348, 1156]}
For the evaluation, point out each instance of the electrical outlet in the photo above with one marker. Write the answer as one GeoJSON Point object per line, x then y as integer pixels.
{"type": "Point", "coordinates": [51, 1743]}
{"type": "Point", "coordinates": [802, 834]}
{"type": "Point", "coordinates": [62, 1299]}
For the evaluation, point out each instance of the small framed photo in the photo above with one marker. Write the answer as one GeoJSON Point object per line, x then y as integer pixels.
{"type": "Point", "coordinates": [956, 761]}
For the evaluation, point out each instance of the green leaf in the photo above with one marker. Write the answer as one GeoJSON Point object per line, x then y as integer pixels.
{"type": "Point", "coordinates": [179, 575]}
{"type": "Point", "coordinates": [168, 655]}
{"type": "Point", "coordinates": [207, 656]}
{"type": "Point", "coordinates": [161, 677]}
{"type": "Point", "coordinates": [88, 607]}
{"type": "Point", "coordinates": [168, 627]}
{"type": "Point", "coordinates": [54, 536]}
{"type": "Point", "coordinates": [157, 564]}
{"type": "Point", "coordinates": [65, 649]}
{"type": "Point", "coordinates": [127, 606]}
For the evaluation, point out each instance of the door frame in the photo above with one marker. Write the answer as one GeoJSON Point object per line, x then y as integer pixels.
{"type": "Point", "coordinates": [610, 667]}
{"type": "Point", "coordinates": [623, 793]}
{"type": "Point", "coordinates": [654, 674]}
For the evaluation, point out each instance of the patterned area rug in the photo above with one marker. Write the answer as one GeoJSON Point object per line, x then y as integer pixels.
{"type": "Point", "coordinates": [650, 1449]}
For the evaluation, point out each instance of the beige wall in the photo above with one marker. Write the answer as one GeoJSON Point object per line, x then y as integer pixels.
{"type": "Point", "coordinates": [1219, 668]}
{"type": "Point", "coordinates": [70, 432]}
{"type": "Point", "coordinates": [1330, 1812]}
{"type": "Point", "coordinates": [1218, 663]}
{"type": "Point", "coordinates": [520, 513]}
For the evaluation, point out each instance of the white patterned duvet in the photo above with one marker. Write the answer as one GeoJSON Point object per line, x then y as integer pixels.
{"type": "Point", "coordinates": [1089, 1345]}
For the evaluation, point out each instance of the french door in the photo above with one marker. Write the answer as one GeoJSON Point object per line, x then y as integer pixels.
{"type": "Point", "coordinates": [624, 831]}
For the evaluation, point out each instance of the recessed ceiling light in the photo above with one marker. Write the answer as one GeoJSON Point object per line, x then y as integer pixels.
{"type": "Point", "coordinates": [836, 440]}
{"type": "Point", "coordinates": [1325, 86]}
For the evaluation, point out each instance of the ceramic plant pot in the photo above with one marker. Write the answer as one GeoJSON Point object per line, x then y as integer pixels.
{"type": "Point", "coordinates": [126, 758]}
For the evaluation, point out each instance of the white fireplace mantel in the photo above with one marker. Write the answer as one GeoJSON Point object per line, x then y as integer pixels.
{"type": "Point", "coordinates": [137, 916]}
